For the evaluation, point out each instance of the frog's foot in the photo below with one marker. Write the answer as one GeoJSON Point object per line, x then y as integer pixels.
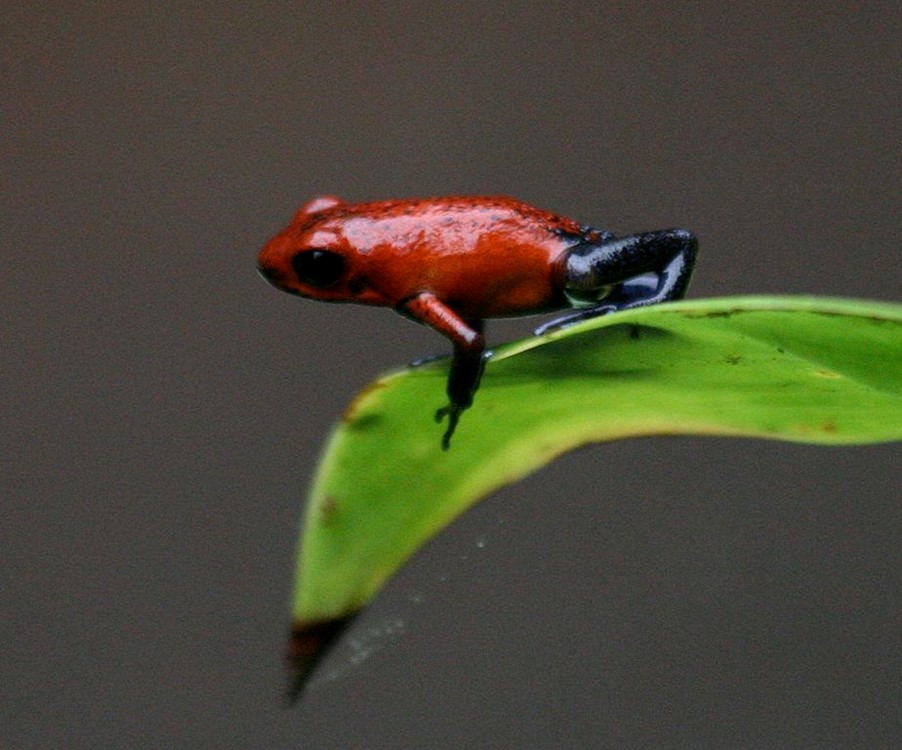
{"type": "Point", "coordinates": [420, 361]}
{"type": "Point", "coordinates": [565, 321]}
{"type": "Point", "coordinates": [453, 412]}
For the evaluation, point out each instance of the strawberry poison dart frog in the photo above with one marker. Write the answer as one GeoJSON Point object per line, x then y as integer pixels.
{"type": "Point", "coordinates": [450, 263]}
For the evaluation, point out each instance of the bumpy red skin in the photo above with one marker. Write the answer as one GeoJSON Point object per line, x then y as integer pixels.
{"type": "Point", "coordinates": [483, 257]}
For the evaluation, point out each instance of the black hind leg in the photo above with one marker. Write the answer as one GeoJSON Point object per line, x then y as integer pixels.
{"type": "Point", "coordinates": [618, 274]}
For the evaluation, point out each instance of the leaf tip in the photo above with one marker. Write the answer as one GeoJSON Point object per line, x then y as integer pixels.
{"type": "Point", "coordinates": [308, 643]}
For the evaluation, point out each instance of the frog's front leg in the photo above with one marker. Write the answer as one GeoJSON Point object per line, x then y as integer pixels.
{"type": "Point", "coordinates": [463, 381]}
{"type": "Point", "coordinates": [620, 273]}
{"type": "Point", "coordinates": [469, 355]}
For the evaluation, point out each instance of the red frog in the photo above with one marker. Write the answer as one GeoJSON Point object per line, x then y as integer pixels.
{"type": "Point", "coordinates": [450, 263]}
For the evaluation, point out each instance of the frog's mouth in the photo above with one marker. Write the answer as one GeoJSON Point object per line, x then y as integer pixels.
{"type": "Point", "coordinates": [275, 277]}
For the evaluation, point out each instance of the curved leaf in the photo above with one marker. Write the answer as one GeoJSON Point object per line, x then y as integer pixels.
{"type": "Point", "coordinates": [804, 369]}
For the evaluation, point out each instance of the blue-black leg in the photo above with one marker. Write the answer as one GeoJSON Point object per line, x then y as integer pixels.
{"type": "Point", "coordinates": [633, 271]}
{"type": "Point", "coordinates": [463, 381]}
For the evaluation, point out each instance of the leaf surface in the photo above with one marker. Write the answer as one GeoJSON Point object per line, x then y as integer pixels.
{"type": "Point", "coordinates": [813, 370]}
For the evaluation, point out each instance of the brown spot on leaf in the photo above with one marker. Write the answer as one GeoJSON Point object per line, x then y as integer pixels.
{"type": "Point", "coordinates": [350, 413]}
{"type": "Point", "coordinates": [328, 509]}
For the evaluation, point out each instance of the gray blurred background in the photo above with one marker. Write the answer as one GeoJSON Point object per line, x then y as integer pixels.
{"type": "Point", "coordinates": [163, 408]}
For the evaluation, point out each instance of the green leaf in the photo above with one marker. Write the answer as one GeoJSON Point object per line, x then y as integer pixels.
{"type": "Point", "coordinates": [810, 370]}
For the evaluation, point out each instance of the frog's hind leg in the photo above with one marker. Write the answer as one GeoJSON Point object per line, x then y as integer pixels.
{"type": "Point", "coordinates": [621, 273]}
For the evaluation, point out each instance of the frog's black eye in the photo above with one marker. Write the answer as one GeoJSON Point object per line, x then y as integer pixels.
{"type": "Point", "coordinates": [318, 268]}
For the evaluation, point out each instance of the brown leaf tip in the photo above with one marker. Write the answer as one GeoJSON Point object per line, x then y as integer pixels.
{"type": "Point", "coordinates": [308, 643]}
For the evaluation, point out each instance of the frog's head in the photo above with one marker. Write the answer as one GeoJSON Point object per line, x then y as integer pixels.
{"type": "Point", "coordinates": [311, 257]}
